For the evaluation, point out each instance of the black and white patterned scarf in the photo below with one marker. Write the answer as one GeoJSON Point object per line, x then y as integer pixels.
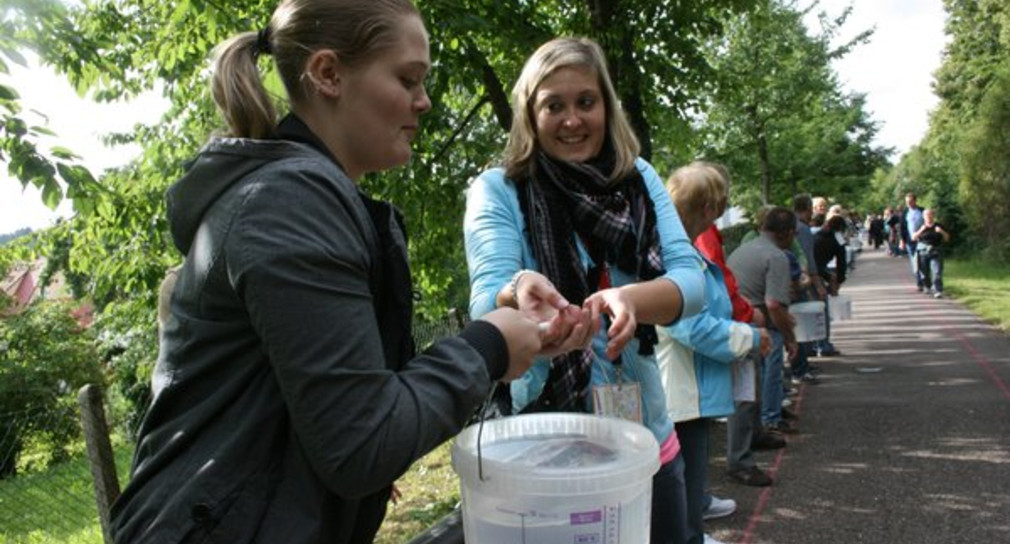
{"type": "Point", "coordinates": [616, 222]}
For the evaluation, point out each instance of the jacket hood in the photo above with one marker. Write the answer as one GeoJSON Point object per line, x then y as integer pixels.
{"type": "Point", "coordinates": [220, 165]}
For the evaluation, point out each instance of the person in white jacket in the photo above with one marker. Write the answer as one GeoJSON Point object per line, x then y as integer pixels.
{"type": "Point", "coordinates": [696, 354]}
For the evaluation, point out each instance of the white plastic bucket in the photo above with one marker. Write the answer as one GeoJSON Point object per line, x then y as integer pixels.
{"type": "Point", "coordinates": [550, 478]}
{"type": "Point", "coordinates": [810, 320]}
{"type": "Point", "coordinates": [840, 307]}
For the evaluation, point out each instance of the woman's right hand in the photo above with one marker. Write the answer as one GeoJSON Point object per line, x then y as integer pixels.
{"type": "Point", "coordinates": [522, 336]}
{"type": "Point", "coordinates": [537, 297]}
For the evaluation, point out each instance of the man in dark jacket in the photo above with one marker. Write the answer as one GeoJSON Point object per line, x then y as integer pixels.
{"type": "Point", "coordinates": [828, 250]}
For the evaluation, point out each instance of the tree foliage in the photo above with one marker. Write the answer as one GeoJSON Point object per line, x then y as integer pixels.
{"type": "Point", "coordinates": [731, 80]}
{"type": "Point", "coordinates": [114, 49]}
{"type": "Point", "coordinates": [53, 170]}
{"type": "Point", "coordinates": [961, 165]}
{"type": "Point", "coordinates": [778, 117]}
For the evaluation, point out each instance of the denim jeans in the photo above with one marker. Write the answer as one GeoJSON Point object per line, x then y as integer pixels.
{"type": "Point", "coordinates": [771, 380]}
{"type": "Point", "coordinates": [931, 271]}
{"type": "Point", "coordinates": [913, 257]}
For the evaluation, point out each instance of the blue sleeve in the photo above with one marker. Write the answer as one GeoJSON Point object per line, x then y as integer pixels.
{"type": "Point", "coordinates": [713, 337]}
{"type": "Point", "coordinates": [718, 338]}
{"type": "Point", "coordinates": [683, 265]}
{"type": "Point", "coordinates": [492, 237]}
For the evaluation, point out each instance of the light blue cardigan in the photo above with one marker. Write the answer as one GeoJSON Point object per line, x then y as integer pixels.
{"type": "Point", "coordinates": [496, 247]}
{"type": "Point", "coordinates": [696, 354]}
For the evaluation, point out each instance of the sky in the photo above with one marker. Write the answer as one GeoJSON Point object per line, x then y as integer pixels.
{"type": "Point", "coordinates": [49, 100]}
{"type": "Point", "coordinates": [894, 70]}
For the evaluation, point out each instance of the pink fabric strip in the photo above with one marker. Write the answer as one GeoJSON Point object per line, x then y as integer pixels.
{"type": "Point", "coordinates": [669, 448]}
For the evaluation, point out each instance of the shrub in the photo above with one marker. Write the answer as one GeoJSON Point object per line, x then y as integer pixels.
{"type": "Point", "coordinates": [45, 357]}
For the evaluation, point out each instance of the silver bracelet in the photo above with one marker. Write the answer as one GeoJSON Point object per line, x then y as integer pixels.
{"type": "Point", "coordinates": [514, 284]}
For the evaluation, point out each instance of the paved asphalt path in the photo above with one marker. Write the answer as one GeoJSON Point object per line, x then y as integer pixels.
{"type": "Point", "coordinates": [906, 439]}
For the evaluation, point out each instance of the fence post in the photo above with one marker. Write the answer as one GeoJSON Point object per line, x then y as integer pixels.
{"type": "Point", "coordinates": [103, 463]}
{"type": "Point", "coordinates": [457, 316]}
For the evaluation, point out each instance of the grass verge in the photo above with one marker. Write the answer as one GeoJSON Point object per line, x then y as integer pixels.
{"type": "Point", "coordinates": [57, 506]}
{"type": "Point", "coordinates": [430, 490]}
{"type": "Point", "coordinates": [982, 286]}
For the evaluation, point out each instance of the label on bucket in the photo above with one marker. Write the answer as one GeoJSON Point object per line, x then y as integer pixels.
{"type": "Point", "coordinates": [620, 523]}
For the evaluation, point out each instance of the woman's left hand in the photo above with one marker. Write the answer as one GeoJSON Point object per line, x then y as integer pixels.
{"type": "Point", "coordinates": [572, 328]}
{"type": "Point", "coordinates": [623, 321]}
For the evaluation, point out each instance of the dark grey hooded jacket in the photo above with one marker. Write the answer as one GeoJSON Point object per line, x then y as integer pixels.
{"type": "Point", "coordinates": [287, 397]}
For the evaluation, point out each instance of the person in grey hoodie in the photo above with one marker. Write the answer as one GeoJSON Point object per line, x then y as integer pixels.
{"type": "Point", "coordinates": [288, 396]}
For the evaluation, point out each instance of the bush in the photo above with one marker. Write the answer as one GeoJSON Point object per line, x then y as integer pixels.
{"type": "Point", "coordinates": [45, 357]}
{"type": "Point", "coordinates": [129, 346]}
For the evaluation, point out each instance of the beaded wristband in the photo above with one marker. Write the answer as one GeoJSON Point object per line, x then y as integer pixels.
{"type": "Point", "coordinates": [514, 284]}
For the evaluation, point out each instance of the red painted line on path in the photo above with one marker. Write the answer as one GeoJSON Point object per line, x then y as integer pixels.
{"type": "Point", "coordinates": [773, 470]}
{"type": "Point", "coordinates": [766, 494]}
{"type": "Point", "coordinates": [980, 360]}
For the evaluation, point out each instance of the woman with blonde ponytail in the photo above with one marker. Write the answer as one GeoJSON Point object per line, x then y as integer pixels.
{"type": "Point", "coordinates": [287, 395]}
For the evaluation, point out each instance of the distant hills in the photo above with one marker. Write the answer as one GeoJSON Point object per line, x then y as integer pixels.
{"type": "Point", "coordinates": [4, 238]}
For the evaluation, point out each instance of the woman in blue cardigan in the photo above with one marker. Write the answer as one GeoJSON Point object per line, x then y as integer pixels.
{"type": "Point", "coordinates": [575, 212]}
{"type": "Point", "coordinates": [696, 355]}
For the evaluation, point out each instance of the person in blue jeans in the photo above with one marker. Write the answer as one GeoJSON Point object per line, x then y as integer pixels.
{"type": "Point", "coordinates": [929, 238]}
{"type": "Point", "coordinates": [810, 288]}
{"type": "Point", "coordinates": [762, 270]}
{"type": "Point", "coordinates": [911, 221]}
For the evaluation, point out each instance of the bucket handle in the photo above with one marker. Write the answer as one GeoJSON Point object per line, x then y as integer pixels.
{"type": "Point", "coordinates": [480, 429]}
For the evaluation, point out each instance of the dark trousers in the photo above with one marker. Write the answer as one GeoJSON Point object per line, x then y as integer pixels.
{"type": "Point", "coordinates": [669, 504]}
{"type": "Point", "coordinates": [693, 437]}
{"type": "Point", "coordinates": [739, 434]}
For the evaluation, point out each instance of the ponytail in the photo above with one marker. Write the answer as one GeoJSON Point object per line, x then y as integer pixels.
{"type": "Point", "coordinates": [238, 89]}
{"type": "Point", "coordinates": [354, 29]}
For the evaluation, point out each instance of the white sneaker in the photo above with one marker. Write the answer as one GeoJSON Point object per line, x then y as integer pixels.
{"type": "Point", "coordinates": [718, 508]}
{"type": "Point", "coordinates": [710, 540]}
{"type": "Point", "coordinates": [938, 294]}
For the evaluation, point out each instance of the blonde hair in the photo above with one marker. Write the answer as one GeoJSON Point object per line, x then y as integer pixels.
{"type": "Point", "coordinates": [547, 59]}
{"type": "Point", "coordinates": [695, 187]}
{"type": "Point", "coordinates": [354, 29]}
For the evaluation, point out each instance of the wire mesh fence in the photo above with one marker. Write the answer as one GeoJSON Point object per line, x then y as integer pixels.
{"type": "Point", "coordinates": [46, 492]}
{"type": "Point", "coordinates": [46, 486]}
{"type": "Point", "coordinates": [426, 332]}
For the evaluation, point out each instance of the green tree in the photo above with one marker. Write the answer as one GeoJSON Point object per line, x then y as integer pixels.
{"type": "Point", "coordinates": [778, 116]}
{"type": "Point", "coordinates": [985, 174]}
{"type": "Point", "coordinates": [116, 49]}
{"type": "Point", "coordinates": [959, 167]}
{"type": "Point", "coordinates": [48, 169]}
